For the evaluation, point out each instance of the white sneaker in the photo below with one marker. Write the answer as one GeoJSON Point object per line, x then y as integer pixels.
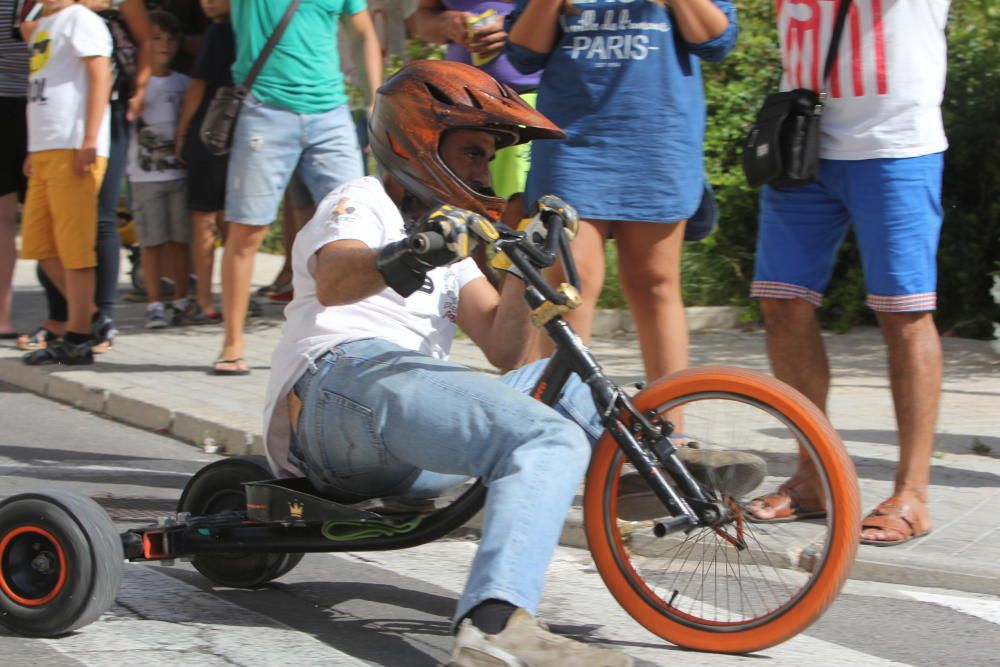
{"type": "Point", "coordinates": [156, 316]}
{"type": "Point", "coordinates": [525, 642]}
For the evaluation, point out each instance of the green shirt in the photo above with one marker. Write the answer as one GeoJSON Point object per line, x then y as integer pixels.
{"type": "Point", "coordinates": [302, 74]}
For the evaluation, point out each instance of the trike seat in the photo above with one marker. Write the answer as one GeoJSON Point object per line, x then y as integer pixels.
{"type": "Point", "coordinates": [295, 501]}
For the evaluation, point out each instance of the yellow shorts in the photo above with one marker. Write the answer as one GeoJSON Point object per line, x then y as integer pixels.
{"type": "Point", "coordinates": [60, 210]}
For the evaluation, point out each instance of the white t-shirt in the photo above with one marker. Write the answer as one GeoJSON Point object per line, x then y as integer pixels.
{"type": "Point", "coordinates": [151, 150]}
{"type": "Point", "coordinates": [58, 86]}
{"type": "Point", "coordinates": [424, 321]}
{"type": "Point", "coordinates": [887, 82]}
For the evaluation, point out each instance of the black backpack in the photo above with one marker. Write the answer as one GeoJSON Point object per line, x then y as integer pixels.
{"type": "Point", "coordinates": [123, 57]}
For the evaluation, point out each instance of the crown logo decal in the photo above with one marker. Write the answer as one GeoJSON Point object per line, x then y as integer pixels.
{"type": "Point", "coordinates": [295, 509]}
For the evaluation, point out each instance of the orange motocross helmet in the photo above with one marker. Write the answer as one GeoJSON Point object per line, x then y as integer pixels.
{"type": "Point", "coordinates": [425, 99]}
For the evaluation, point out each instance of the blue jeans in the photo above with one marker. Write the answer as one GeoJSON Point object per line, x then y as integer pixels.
{"type": "Point", "coordinates": [268, 144]}
{"type": "Point", "coordinates": [894, 206]}
{"type": "Point", "coordinates": [381, 420]}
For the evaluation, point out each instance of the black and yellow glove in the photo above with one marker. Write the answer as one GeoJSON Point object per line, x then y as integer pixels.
{"type": "Point", "coordinates": [442, 236]}
{"type": "Point", "coordinates": [536, 231]}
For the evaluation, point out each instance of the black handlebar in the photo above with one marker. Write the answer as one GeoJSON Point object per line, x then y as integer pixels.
{"type": "Point", "coordinates": [523, 253]}
{"type": "Point", "coordinates": [425, 242]}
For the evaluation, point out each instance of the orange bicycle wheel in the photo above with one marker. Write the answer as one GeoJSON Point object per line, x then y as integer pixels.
{"type": "Point", "coordinates": [740, 586]}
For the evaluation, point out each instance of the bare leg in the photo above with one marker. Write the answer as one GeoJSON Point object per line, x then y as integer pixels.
{"type": "Point", "coordinates": [293, 219]}
{"type": "Point", "coordinates": [915, 371]}
{"type": "Point", "coordinates": [203, 255]}
{"type": "Point", "coordinates": [588, 255]}
{"type": "Point", "coordinates": [798, 357]}
{"type": "Point", "coordinates": [289, 228]}
{"type": "Point", "coordinates": [649, 265]}
{"type": "Point", "coordinates": [649, 268]}
{"type": "Point", "coordinates": [80, 286]}
{"type": "Point", "coordinates": [8, 257]}
{"type": "Point", "coordinates": [177, 263]}
{"type": "Point", "coordinates": [54, 270]}
{"type": "Point", "coordinates": [152, 270]}
{"type": "Point", "coordinates": [242, 243]}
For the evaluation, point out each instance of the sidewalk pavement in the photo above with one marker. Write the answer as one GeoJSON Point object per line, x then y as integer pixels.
{"type": "Point", "coordinates": [159, 380]}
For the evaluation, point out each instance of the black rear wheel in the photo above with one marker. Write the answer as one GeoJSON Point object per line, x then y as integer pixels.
{"type": "Point", "coordinates": [218, 488]}
{"type": "Point", "coordinates": [60, 563]}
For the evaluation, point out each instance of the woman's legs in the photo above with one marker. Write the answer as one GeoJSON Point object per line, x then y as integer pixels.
{"type": "Point", "coordinates": [649, 268]}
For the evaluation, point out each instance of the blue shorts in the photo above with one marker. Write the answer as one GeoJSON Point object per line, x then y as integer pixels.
{"type": "Point", "coordinates": [894, 206]}
{"type": "Point", "coordinates": [268, 144]}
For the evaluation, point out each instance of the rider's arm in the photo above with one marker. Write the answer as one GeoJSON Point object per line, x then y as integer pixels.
{"type": "Point", "coordinates": [346, 273]}
{"type": "Point", "coordinates": [498, 323]}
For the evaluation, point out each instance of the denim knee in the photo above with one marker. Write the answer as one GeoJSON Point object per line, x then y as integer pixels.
{"type": "Point", "coordinates": [557, 437]}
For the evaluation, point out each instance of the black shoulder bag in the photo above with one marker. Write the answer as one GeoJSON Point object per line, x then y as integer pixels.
{"type": "Point", "coordinates": [782, 147]}
{"type": "Point", "coordinates": [217, 127]}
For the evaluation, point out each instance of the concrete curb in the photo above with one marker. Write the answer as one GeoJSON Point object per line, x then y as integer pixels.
{"type": "Point", "coordinates": [137, 406]}
{"type": "Point", "coordinates": [699, 318]}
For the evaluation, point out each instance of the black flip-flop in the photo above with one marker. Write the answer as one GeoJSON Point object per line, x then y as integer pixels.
{"type": "Point", "coordinates": [229, 371]}
{"type": "Point", "coordinates": [10, 335]}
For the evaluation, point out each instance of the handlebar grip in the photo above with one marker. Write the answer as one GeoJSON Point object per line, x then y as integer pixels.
{"type": "Point", "coordinates": [425, 242]}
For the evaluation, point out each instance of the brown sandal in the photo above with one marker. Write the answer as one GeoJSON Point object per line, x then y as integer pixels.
{"type": "Point", "coordinates": [894, 515]}
{"type": "Point", "coordinates": [787, 505]}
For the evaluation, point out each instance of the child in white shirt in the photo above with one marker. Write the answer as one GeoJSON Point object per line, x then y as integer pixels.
{"type": "Point", "coordinates": [156, 178]}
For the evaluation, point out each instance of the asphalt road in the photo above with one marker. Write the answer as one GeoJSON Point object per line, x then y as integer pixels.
{"type": "Point", "coordinates": [387, 608]}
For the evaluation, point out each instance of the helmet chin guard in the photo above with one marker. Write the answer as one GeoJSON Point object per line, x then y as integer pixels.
{"type": "Point", "coordinates": [425, 99]}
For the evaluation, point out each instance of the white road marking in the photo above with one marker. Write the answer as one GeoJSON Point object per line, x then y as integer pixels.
{"type": "Point", "coordinates": [986, 608]}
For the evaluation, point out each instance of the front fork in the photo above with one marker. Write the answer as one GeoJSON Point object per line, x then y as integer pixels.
{"type": "Point", "coordinates": [690, 510]}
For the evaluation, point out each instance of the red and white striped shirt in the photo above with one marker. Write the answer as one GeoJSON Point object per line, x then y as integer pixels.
{"type": "Point", "coordinates": [887, 81]}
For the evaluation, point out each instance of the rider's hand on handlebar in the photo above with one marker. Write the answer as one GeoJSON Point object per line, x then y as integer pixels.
{"type": "Point", "coordinates": [535, 232]}
{"type": "Point", "coordinates": [549, 205]}
{"type": "Point", "coordinates": [459, 229]}
{"type": "Point", "coordinates": [536, 228]}
{"type": "Point", "coordinates": [442, 236]}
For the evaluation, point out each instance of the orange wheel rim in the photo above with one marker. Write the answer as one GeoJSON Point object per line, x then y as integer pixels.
{"type": "Point", "coordinates": [6, 585]}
